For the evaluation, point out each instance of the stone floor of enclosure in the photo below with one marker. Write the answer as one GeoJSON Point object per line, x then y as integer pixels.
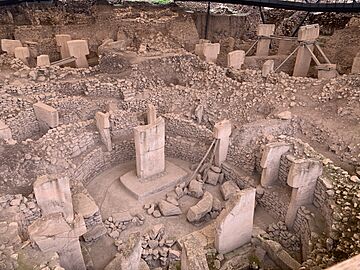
{"type": "Point", "coordinates": [129, 142]}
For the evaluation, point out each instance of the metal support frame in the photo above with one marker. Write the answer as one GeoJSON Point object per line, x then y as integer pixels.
{"type": "Point", "coordinates": [207, 20]}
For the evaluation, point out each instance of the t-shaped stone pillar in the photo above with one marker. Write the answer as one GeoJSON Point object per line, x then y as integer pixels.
{"type": "Point", "coordinates": [150, 146]}
{"type": "Point", "coordinates": [264, 32]}
{"type": "Point", "coordinates": [236, 59]}
{"type": "Point", "coordinates": [43, 60]}
{"type": "Point", "coordinates": [302, 178]}
{"type": "Point", "coordinates": [61, 42]}
{"type": "Point", "coordinates": [270, 162]}
{"type": "Point", "coordinates": [79, 49]}
{"type": "Point", "coordinates": [9, 45]}
{"type": "Point", "coordinates": [22, 53]}
{"type": "Point", "coordinates": [222, 132]}
{"type": "Point", "coordinates": [307, 35]}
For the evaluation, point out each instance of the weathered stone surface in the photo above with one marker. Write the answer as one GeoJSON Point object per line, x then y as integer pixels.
{"type": "Point", "coordinates": [199, 210]}
{"type": "Point", "coordinates": [168, 209]}
{"type": "Point", "coordinates": [130, 255]}
{"type": "Point", "coordinates": [235, 59]}
{"type": "Point", "coordinates": [5, 131]}
{"type": "Point", "coordinates": [212, 177]}
{"type": "Point", "coordinates": [53, 195]}
{"type": "Point", "coordinates": [9, 45]}
{"type": "Point", "coordinates": [222, 132]}
{"type": "Point", "coordinates": [270, 161]}
{"type": "Point", "coordinates": [61, 42]}
{"type": "Point", "coordinates": [22, 53]}
{"type": "Point", "coordinates": [193, 255]}
{"type": "Point", "coordinates": [150, 148]}
{"type": "Point", "coordinates": [53, 234]}
{"type": "Point", "coordinates": [79, 49]}
{"type": "Point", "coordinates": [103, 125]}
{"type": "Point", "coordinates": [46, 114]}
{"type": "Point", "coordinates": [196, 188]}
{"type": "Point", "coordinates": [264, 31]}
{"type": "Point", "coordinates": [84, 205]}
{"type": "Point", "coordinates": [122, 216]}
{"type": "Point", "coordinates": [228, 189]}
{"type": "Point", "coordinates": [267, 68]}
{"type": "Point", "coordinates": [235, 222]}
{"type": "Point", "coordinates": [43, 60]}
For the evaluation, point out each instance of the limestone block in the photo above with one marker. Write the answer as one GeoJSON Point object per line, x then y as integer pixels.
{"type": "Point", "coordinates": [94, 232]}
{"type": "Point", "coordinates": [122, 216]}
{"type": "Point", "coordinates": [309, 32]}
{"type": "Point", "coordinates": [129, 258]}
{"type": "Point", "coordinates": [46, 114]}
{"type": "Point", "coordinates": [228, 189]}
{"type": "Point", "coordinates": [53, 195]}
{"type": "Point", "coordinates": [61, 42]}
{"type": "Point", "coordinates": [103, 125]}
{"type": "Point", "coordinates": [222, 129]}
{"type": "Point", "coordinates": [43, 60]}
{"type": "Point", "coordinates": [267, 68]}
{"type": "Point", "coordinates": [9, 45]}
{"type": "Point", "coordinates": [5, 131]}
{"type": "Point", "coordinates": [53, 234]}
{"type": "Point", "coordinates": [355, 69]}
{"type": "Point", "coordinates": [193, 255]}
{"type": "Point", "coordinates": [211, 52]}
{"type": "Point", "coordinates": [84, 205]}
{"type": "Point", "coordinates": [22, 53]}
{"type": "Point", "coordinates": [235, 223]}
{"type": "Point", "coordinates": [302, 62]}
{"type": "Point", "coordinates": [150, 148]}
{"type": "Point", "coordinates": [199, 210]}
{"type": "Point", "coordinates": [265, 30]}
{"type": "Point", "coordinates": [168, 209]}
{"type": "Point", "coordinates": [270, 162]}
{"type": "Point", "coordinates": [212, 177]}
{"type": "Point", "coordinates": [303, 172]}
{"type": "Point", "coordinates": [196, 188]}
{"type": "Point", "coordinates": [235, 59]}
{"type": "Point", "coordinates": [263, 45]}
{"type": "Point", "coordinates": [79, 49]}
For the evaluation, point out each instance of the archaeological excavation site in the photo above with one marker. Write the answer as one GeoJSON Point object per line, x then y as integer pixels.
{"type": "Point", "coordinates": [180, 135]}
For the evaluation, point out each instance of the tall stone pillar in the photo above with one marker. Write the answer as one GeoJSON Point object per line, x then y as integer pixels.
{"type": "Point", "coordinates": [53, 195]}
{"type": "Point", "coordinates": [270, 162]}
{"type": "Point", "coordinates": [235, 59]}
{"type": "Point", "coordinates": [264, 32]}
{"type": "Point", "coordinates": [150, 146]}
{"type": "Point", "coordinates": [22, 53]}
{"type": "Point", "coordinates": [302, 178]}
{"type": "Point", "coordinates": [222, 132]}
{"type": "Point", "coordinates": [355, 69]}
{"type": "Point", "coordinates": [61, 42]}
{"type": "Point", "coordinates": [235, 223]}
{"type": "Point", "coordinates": [79, 49]}
{"type": "Point", "coordinates": [103, 125]}
{"type": "Point", "coordinates": [307, 36]}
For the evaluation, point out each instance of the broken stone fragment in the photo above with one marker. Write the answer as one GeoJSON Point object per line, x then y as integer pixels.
{"type": "Point", "coordinates": [228, 189]}
{"type": "Point", "coordinates": [130, 255]}
{"type": "Point", "coordinates": [122, 216]}
{"type": "Point", "coordinates": [199, 210]}
{"type": "Point", "coordinates": [196, 188]}
{"type": "Point", "coordinates": [168, 209]}
{"type": "Point", "coordinates": [212, 177]}
{"type": "Point", "coordinates": [285, 115]}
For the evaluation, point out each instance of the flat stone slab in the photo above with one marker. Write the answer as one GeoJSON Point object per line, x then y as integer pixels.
{"type": "Point", "coordinates": [141, 189]}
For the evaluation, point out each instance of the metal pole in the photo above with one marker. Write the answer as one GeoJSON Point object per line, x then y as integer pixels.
{"type": "Point", "coordinates": [207, 20]}
{"type": "Point", "coordinates": [262, 15]}
{"type": "Point", "coordinates": [300, 24]}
